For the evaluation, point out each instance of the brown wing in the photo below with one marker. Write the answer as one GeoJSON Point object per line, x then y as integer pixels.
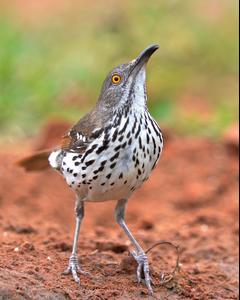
{"type": "Point", "coordinates": [76, 140]}
{"type": "Point", "coordinates": [83, 133]}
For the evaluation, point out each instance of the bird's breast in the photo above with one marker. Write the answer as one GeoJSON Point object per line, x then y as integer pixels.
{"type": "Point", "coordinates": [116, 163]}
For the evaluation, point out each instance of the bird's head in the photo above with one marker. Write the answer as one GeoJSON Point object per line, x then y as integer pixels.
{"type": "Point", "coordinates": [125, 85]}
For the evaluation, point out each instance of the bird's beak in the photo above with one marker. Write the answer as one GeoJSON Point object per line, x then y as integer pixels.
{"type": "Point", "coordinates": [143, 58]}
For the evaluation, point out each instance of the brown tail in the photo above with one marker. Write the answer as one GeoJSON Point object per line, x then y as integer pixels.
{"type": "Point", "coordinates": [36, 162]}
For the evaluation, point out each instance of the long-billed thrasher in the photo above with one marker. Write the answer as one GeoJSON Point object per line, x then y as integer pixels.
{"type": "Point", "coordinates": [110, 152]}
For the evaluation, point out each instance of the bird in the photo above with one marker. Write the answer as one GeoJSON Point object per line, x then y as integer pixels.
{"type": "Point", "coordinates": [109, 153]}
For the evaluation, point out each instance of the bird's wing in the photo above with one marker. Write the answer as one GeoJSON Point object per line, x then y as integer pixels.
{"type": "Point", "coordinates": [75, 140]}
{"type": "Point", "coordinates": [82, 134]}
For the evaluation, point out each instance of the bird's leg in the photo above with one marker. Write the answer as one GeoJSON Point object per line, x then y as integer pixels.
{"type": "Point", "coordinates": [73, 267]}
{"type": "Point", "coordinates": [139, 255]}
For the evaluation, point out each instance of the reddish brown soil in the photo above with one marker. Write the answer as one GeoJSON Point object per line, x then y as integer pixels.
{"type": "Point", "coordinates": [190, 200]}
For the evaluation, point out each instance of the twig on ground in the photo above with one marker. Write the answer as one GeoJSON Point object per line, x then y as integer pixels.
{"type": "Point", "coordinates": [165, 278]}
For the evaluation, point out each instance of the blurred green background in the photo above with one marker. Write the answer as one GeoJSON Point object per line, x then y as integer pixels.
{"type": "Point", "coordinates": [54, 56]}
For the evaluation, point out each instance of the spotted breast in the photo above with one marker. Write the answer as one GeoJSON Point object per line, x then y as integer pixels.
{"type": "Point", "coordinates": [116, 162]}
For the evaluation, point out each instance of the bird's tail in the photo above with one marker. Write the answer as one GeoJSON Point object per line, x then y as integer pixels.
{"type": "Point", "coordinates": [36, 162]}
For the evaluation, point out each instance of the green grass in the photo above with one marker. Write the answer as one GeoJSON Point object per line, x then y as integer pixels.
{"type": "Point", "coordinates": [55, 68]}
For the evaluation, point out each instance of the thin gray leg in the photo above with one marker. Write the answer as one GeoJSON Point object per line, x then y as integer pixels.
{"type": "Point", "coordinates": [73, 267]}
{"type": "Point", "coordinates": [139, 255]}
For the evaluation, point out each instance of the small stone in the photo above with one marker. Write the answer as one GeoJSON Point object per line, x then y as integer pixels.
{"type": "Point", "coordinates": [146, 225]}
{"type": "Point", "coordinates": [28, 246]}
{"type": "Point", "coordinates": [204, 228]}
{"type": "Point", "coordinates": [110, 246]}
{"type": "Point", "coordinates": [21, 229]}
{"type": "Point", "coordinates": [63, 247]}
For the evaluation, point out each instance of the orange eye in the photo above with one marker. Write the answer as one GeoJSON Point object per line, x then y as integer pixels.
{"type": "Point", "coordinates": [116, 79]}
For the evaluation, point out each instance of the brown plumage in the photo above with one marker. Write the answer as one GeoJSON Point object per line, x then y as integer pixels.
{"type": "Point", "coordinates": [36, 162]}
{"type": "Point", "coordinates": [69, 142]}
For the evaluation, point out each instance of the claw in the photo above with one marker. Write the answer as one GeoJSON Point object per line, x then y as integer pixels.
{"type": "Point", "coordinates": [143, 269]}
{"type": "Point", "coordinates": [74, 269]}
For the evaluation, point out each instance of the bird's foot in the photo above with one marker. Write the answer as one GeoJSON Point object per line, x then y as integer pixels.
{"type": "Point", "coordinates": [75, 269]}
{"type": "Point", "coordinates": [143, 269]}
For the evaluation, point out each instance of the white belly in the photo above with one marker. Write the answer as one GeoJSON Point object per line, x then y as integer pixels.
{"type": "Point", "coordinates": [117, 171]}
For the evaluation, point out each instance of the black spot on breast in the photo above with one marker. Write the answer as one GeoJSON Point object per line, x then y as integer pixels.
{"type": "Point", "coordinates": [112, 165]}
{"type": "Point", "coordinates": [109, 176]}
{"type": "Point", "coordinates": [140, 142]}
{"type": "Point", "coordinates": [75, 174]}
{"type": "Point", "coordinates": [90, 162]}
{"type": "Point", "coordinates": [74, 158]}
{"type": "Point", "coordinates": [124, 127]}
{"type": "Point", "coordinates": [114, 157]}
{"type": "Point", "coordinates": [134, 124]}
{"type": "Point", "coordinates": [104, 144]}
{"type": "Point", "coordinates": [154, 145]}
{"type": "Point", "coordinates": [117, 120]}
{"type": "Point", "coordinates": [112, 183]}
{"type": "Point", "coordinates": [120, 138]}
{"type": "Point", "coordinates": [77, 163]}
{"type": "Point", "coordinates": [103, 163]}
{"type": "Point", "coordinates": [130, 141]}
{"type": "Point", "coordinates": [124, 145]}
{"type": "Point", "coordinates": [121, 176]}
{"type": "Point", "coordinates": [138, 131]}
{"type": "Point", "coordinates": [148, 138]}
{"type": "Point", "coordinates": [115, 134]}
{"type": "Point", "coordinates": [100, 169]}
{"type": "Point", "coordinates": [97, 133]}
{"type": "Point", "coordinates": [156, 128]}
{"type": "Point", "coordinates": [95, 177]}
{"type": "Point", "coordinates": [117, 148]}
{"type": "Point", "coordinates": [89, 151]}
{"type": "Point", "coordinates": [154, 165]}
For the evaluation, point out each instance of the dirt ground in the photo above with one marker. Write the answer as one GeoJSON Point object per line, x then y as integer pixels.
{"type": "Point", "coordinates": [190, 200]}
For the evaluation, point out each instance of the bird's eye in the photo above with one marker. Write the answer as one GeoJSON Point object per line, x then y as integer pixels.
{"type": "Point", "coordinates": [116, 79]}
